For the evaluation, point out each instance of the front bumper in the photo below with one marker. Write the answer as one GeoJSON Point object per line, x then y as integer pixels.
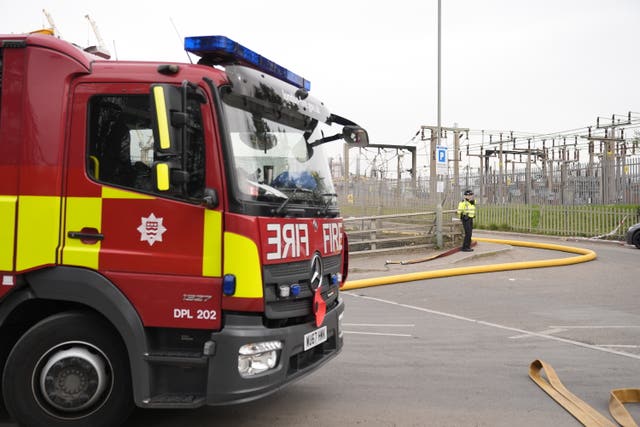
{"type": "Point", "coordinates": [226, 386]}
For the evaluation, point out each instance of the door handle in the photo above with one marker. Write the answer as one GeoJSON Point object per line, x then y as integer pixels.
{"type": "Point", "coordinates": [87, 235]}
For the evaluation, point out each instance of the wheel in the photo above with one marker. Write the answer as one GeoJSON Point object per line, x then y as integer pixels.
{"type": "Point", "coordinates": [636, 239]}
{"type": "Point", "coordinates": [69, 369]}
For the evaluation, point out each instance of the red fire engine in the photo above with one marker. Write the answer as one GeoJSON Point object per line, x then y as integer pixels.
{"type": "Point", "coordinates": [169, 233]}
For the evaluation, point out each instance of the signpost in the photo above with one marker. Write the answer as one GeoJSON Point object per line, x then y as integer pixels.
{"type": "Point", "coordinates": [441, 160]}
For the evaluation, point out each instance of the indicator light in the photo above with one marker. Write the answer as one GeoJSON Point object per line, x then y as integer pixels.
{"type": "Point", "coordinates": [295, 290]}
{"type": "Point", "coordinates": [229, 284]}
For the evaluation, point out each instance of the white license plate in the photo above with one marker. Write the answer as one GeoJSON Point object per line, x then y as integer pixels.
{"type": "Point", "coordinates": [315, 338]}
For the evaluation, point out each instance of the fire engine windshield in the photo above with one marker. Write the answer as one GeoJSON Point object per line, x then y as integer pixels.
{"type": "Point", "coordinates": [272, 151]}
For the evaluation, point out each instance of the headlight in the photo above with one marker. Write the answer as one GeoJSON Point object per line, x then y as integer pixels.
{"type": "Point", "coordinates": [259, 357]}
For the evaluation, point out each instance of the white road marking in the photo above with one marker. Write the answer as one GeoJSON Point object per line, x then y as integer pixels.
{"type": "Point", "coordinates": [375, 325]}
{"type": "Point", "coordinates": [619, 345]}
{"type": "Point", "coordinates": [378, 325]}
{"type": "Point", "coordinates": [498, 326]}
{"type": "Point", "coordinates": [598, 327]}
{"type": "Point", "coordinates": [376, 333]}
{"type": "Point", "coordinates": [549, 331]}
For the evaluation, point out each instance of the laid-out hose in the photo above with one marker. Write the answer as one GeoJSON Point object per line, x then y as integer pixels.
{"type": "Point", "coordinates": [584, 255]}
{"type": "Point", "coordinates": [584, 413]}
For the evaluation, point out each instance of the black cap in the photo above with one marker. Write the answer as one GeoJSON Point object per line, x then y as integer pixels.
{"type": "Point", "coordinates": [468, 193]}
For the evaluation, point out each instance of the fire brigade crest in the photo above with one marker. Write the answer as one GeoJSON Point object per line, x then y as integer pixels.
{"type": "Point", "coordinates": [151, 229]}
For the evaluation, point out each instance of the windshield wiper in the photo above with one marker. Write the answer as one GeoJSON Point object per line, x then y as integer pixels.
{"type": "Point", "coordinates": [289, 198]}
{"type": "Point", "coordinates": [269, 190]}
{"type": "Point", "coordinates": [325, 139]}
{"type": "Point", "coordinates": [325, 209]}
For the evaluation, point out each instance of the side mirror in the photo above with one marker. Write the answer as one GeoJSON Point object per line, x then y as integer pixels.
{"type": "Point", "coordinates": [355, 136]}
{"type": "Point", "coordinates": [210, 199]}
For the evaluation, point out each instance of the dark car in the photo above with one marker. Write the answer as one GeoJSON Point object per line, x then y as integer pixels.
{"type": "Point", "coordinates": [633, 235]}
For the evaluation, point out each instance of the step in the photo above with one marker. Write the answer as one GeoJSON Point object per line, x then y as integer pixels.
{"type": "Point", "coordinates": [177, 358]}
{"type": "Point", "coordinates": [172, 400]}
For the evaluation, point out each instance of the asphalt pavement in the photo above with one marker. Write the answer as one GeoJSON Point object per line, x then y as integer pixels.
{"type": "Point", "coordinates": [408, 260]}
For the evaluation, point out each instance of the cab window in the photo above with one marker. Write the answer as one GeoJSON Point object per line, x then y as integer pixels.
{"type": "Point", "coordinates": [121, 148]}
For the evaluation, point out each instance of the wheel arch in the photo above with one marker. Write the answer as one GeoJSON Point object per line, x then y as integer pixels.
{"type": "Point", "coordinates": [635, 237]}
{"type": "Point", "coordinates": [58, 289]}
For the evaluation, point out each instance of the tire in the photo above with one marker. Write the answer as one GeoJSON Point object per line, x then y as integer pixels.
{"type": "Point", "coordinates": [69, 369]}
{"type": "Point", "coordinates": [636, 239]}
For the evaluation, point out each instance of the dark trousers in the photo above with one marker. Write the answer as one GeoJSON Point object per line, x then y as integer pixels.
{"type": "Point", "coordinates": [467, 225]}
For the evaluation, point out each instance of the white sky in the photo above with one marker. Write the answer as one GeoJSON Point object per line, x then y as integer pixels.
{"type": "Point", "coordinates": [522, 65]}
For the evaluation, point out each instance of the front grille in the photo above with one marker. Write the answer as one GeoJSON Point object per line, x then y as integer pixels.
{"type": "Point", "coordinates": [299, 307]}
{"type": "Point", "coordinates": [293, 272]}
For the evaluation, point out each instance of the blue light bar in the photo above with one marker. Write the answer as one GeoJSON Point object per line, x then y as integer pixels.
{"type": "Point", "coordinates": [222, 50]}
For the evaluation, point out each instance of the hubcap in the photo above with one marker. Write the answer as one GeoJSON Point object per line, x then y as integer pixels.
{"type": "Point", "coordinates": [73, 379]}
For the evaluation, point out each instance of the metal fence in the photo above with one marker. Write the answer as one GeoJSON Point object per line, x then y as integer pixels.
{"type": "Point", "coordinates": [571, 200]}
{"type": "Point", "coordinates": [381, 233]}
{"type": "Point", "coordinates": [569, 184]}
{"type": "Point", "coordinates": [603, 222]}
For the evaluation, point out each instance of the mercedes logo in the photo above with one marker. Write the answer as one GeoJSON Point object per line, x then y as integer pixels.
{"type": "Point", "coordinates": [316, 272]}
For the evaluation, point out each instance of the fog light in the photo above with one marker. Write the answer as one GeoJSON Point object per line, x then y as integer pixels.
{"type": "Point", "coordinates": [340, 325]}
{"type": "Point", "coordinates": [283, 290]}
{"type": "Point", "coordinates": [256, 358]}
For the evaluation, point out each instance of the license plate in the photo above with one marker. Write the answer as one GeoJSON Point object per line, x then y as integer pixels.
{"type": "Point", "coordinates": [315, 338]}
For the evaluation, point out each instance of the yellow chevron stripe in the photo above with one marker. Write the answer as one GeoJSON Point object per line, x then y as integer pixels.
{"type": "Point", "coordinates": [242, 260]}
{"type": "Point", "coordinates": [82, 212]}
{"type": "Point", "coordinates": [38, 231]}
{"type": "Point", "coordinates": [7, 230]}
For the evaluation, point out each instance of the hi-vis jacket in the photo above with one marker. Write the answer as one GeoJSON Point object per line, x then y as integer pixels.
{"type": "Point", "coordinates": [466, 208]}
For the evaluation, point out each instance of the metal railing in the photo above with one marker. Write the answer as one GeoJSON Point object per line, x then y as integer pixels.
{"type": "Point", "coordinates": [380, 233]}
{"type": "Point", "coordinates": [604, 222]}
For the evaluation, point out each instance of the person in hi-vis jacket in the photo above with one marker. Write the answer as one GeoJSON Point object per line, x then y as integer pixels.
{"type": "Point", "coordinates": [467, 211]}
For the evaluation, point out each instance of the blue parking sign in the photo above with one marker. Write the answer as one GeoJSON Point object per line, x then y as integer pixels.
{"type": "Point", "coordinates": [441, 160]}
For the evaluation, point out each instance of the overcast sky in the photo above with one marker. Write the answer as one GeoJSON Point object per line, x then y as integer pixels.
{"type": "Point", "coordinates": [522, 65]}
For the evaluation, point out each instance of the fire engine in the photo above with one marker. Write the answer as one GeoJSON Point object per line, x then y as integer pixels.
{"type": "Point", "coordinates": [169, 233]}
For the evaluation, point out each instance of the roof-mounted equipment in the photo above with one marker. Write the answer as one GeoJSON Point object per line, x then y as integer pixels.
{"type": "Point", "coordinates": [220, 50]}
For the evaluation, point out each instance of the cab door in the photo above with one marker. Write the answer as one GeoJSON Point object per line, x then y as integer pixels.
{"type": "Point", "coordinates": [162, 249]}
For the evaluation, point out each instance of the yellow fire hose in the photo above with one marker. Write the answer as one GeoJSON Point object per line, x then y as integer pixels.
{"type": "Point", "coordinates": [584, 413]}
{"type": "Point", "coordinates": [584, 256]}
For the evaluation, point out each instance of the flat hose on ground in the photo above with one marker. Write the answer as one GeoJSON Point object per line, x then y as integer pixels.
{"type": "Point", "coordinates": [584, 256]}
{"type": "Point", "coordinates": [581, 411]}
